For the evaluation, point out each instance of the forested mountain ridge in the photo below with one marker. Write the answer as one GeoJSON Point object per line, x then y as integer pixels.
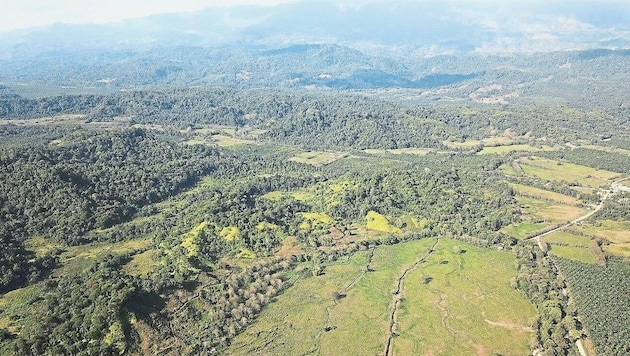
{"type": "Point", "coordinates": [579, 78]}
{"type": "Point", "coordinates": [324, 121]}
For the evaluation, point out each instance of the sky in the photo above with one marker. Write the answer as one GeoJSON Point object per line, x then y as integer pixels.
{"type": "Point", "coordinates": [17, 14]}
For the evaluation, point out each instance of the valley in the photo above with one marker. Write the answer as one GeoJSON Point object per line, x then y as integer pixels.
{"type": "Point", "coordinates": [317, 178]}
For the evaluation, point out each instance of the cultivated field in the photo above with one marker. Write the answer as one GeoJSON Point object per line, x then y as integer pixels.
{"type": "Point", "coordinates": [617, 233]}
{"type": "Point", "coordinates": [572, 173]}
{"type": "Point", "coordinates": [513, 148]}
{"type": "Point", "coordinates": [533, 192]}
{"type": "Point", "coordinates": [398, 151]}
{"type": "Point", "coordinates": [448, 306]}
{"type": "Point", "coordinates": [317, 159]}
{"type": "Point", "coordinates": [567, 245]}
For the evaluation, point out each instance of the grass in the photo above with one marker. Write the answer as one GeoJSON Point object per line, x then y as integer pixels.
{"type": "Point", "coordinates": [483, 309]}
{"type": "Point", "coordinates": [565, 238]}
{"type": "Point", "coordinates": [318, 217]}
{"type": "Point", "coordinates": [302, 195]}
{"type": "Point", "coordinates": [524, 229]}
{"type": "Point", "coordinates": [567, 245]}
{"type": "Point", "coordinates": [227, 141]}
{"type": "Point", "coordinates": [16, 304]}
{"type": "Point", "coordinates": [510, 148]}
{"type": "Point", "coordinates": [79, 258]}
{"type": "Point", "coordinates": [141, 264]}
{"type": "Point", "coordinates": [316, 158]}
{"type": "Point", "coordinates": [274, 195]}
{"type": "Point", "coordinates": [572, 173]}
{"type": "Point", "coordinates": [608, 149]}
{"type": "Point", "coordinates": [508, 170]}
{"type": "Point", "coordinates": [291, 325]}
{"type": "Point", "coordinates": [498, 140]}
{"type": "Point", "coordinates": [544, 194]}
{"type": "Point", "coordinates": [451, 307]}
{"type": "Point", "coordinates": [411, 151]}
{"type": "Point", "coordinates": [378, 222]}
{"type": "Point", "coordinates": [41, 246]}
{"type": "Point", "coordinates": [412, 223]}
{"type": "Point", "coordinates": [229, 233]}
{"type": "Point", "coordinates": [549, 211]}
{"type": "Point", "coordinates": [582, 254]}
{"type": "Point", "coordinates": [361, 318]}
{"type": "Point", "coordinates": [465, 144]}
{"type": "Point", "coordinates": [617, 233]}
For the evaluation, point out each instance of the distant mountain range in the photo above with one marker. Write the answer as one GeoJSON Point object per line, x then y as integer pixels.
{"type": "Point", "coordinates": [433, 27]}
{"type": "Point", "coordinates": [327, 44]}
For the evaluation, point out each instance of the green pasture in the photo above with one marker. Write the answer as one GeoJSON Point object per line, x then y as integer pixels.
{"type": "Point", "coordinates": [616, 233]}
{"type": "Point", "coordinates": [527, 190]}
{"type": "Point", "coordinates": [566, 238]}
{"type": "Point", "coordinates": [418, 151]}
{"type": "Point", "coordinates": [451, 307]}
{"type": "Point", "coordinates": [524, 229]}
{"type": "Point", "coordinates": [461, 310]}
{"type": "Point", "coordinates": [561, 171]}
{"type": "Point", "coordinates": [505, 149]}
{"type": "Point", "coordinates": [542, 211]}
{"type": "Point", "coordinates": [316, 158]}
{"type": "Point", "coordinates": [582, 254]}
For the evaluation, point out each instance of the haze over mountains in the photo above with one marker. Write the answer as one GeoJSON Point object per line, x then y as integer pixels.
{"type": "Point", "coordinates": [327, 44]}
{"type": "Point", "coordinates": [436, 27]}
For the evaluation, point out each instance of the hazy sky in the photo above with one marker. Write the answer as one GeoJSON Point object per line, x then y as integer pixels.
{"type": "Point", "coordinates": [16, 14]}
{"type": "Point", "coordinates": [28, 13]}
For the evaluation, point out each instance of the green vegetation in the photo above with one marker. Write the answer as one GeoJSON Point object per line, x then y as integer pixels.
{"type": "Point", "coordinates": [347, 309]}
{"type": "Point", "coordinates": [513, 148]}
{"type": "Point", "coordinates": [542, 194]}
{"type": "Point", "coordinates": [129, 225]}
{"type": "Point", "coordinates": [525, 230]}
{"type": "Point", "coordinates": [601, 298]}
{"type": "Point", "coordinates": [317, 158]}
{"type": "Point", "coordinates": [439, 293]}
{"type": "Point", "coordinates": [568, 172]}
{"type": "Point", "coordinates": [378, 222]}
{"type": "Point", "coordinates": [582, 254]}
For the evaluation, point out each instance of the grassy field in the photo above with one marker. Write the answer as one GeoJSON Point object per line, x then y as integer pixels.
{"type": "Point", "coordinates": [617, 233]}
{"type": "Point", "coordinates": [466, 144]}
{"type": "Point", "coordinates": [78, 258]}
{"type": "Point", "coordinates": [228, 141]}
{"type": "Point", "coordinates": [451, 308]}
{"type": "Point", "coordinates": [22, 301]}
{"type": "Point", "coordinates": [544, 194]}
{"type": "Point", "coordinates": [306, 319]}
{"type": "Point", "coordinates": [316, 158]}
{"type": "Point", "coordinates": [582, 254]}
{"type": "Point", "coordinates": [510, 148]}
{"type": "Point", "coordinates": [550, 212]}
{"type": "Point", "coordinates": [572, 173]}
{"type": "Point", "coordinates": [524, 229]}
{"type": "Point", "coordinates": [608, 149]}
{"type": "Point", "coordinates": [398, 151]}
{"type": "Point", "coordinates": [378, 222]}
{"type": "Point", "coordinates": [292, 325]}
{"type": "Point", "coordinates": [567, 245]}
{"type": "Point", "coordinates": [566, 238]}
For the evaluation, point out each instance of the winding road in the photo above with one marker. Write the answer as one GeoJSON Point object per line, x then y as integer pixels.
{"type": "Point", "coordinates": [615, 187]}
